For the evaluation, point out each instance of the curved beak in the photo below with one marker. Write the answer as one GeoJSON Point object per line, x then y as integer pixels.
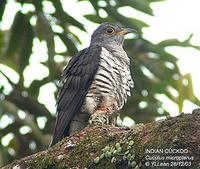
{"type": "Point", "coordinates": [126, 31]}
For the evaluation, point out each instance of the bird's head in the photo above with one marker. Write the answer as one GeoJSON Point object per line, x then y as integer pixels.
{"type": "Point", "coordinates": [110, 34]}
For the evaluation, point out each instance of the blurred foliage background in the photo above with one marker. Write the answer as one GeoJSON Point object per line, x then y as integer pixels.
{"type": "Point", "coordinates": [25, 122]}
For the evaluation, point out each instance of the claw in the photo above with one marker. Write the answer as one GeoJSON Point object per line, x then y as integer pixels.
{"type": "Point", "coordinates": [103, 116]}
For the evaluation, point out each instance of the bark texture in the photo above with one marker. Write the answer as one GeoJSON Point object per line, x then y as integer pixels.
{"type": "Point", "coordinates": [171, 143]}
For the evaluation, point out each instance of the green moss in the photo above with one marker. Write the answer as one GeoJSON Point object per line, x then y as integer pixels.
{"type": "Point", "coordinates": [122, 150]}
{"type": "Point", "coordinates": [41, 162]}
{"type": "Point", "coordinates": [89, 149]}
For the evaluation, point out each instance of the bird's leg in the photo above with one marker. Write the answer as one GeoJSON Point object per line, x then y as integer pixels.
{"type": "Point", "coordinates": [102, 116]}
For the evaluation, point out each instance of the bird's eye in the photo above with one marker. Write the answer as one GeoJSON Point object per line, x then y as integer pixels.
{"type": "Point", "coordinates": [110, 30]}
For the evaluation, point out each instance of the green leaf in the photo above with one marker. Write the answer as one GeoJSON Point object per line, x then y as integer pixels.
{"type": "Point", "coordinates": [69, 19]}
{"type": "Point", "coordinates": [142, 81]}
{"type": "Point", "coordinates": [97, 19]}
{"type": "Point", "coordinates": [45, 32]}
{"type": "Point", "coordinates": [2, 41]}
{"type": "Point", "coordinates": [76, 37]}
{"type": "Point", "coordinates": [68, 43]}
{"type": "Point", "coordinates": [10, 63]}
{"type": "Point", "coordinates": [2, 8]}
{"type": "Point", "coordinates": [141, 5]}
{"type": "Point", "coordinates": [19, 45]}
{"type": "Point", "coordinates": [94, 4]}
{"type": "Point", "coordinates": [15, 37]}
{"type": "Point", "coordinates": [176, 42]}
{"type": "Point", "coordinates": [26, 46]}
{"type": "Point", "coordinates": [129, 22]}
{"type": "Point", "coordinates": [64, 17]}
{"type": "Point", "coordinates": [157, 49]}
{"type": "Point", "coordinates": [35, 86]}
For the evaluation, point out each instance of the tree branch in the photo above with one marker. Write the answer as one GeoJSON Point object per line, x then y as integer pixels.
{"type": "Point", "coordinates": [40, 137]}
{"type": "Point", "coordinates": [27, 103]}
{"type": "Point", "coordinates": [175, 139]}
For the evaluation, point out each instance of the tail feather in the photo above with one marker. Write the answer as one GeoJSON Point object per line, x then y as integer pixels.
{"type": "Point", "coordinates": [79, 122]}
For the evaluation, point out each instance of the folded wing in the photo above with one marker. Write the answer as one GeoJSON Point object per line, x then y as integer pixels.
{"type": "Point", "coordinates": [76, 80]}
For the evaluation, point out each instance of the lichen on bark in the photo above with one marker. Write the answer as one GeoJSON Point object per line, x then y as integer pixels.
{"type": "Point", "coordinates": [120, 147]}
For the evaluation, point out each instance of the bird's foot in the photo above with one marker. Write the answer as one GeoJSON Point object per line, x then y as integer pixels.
{"type": "Point", "coordinates": [98, 119]}
{"type": "Point", "coordinates": [102, 116]}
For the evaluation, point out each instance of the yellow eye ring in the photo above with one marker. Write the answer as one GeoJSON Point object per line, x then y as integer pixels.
{"type": "Point", "coordinates": [110, 30]}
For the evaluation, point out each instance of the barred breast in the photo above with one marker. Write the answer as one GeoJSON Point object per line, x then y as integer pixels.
{"type": "Point", "coordinates": [112, 83]}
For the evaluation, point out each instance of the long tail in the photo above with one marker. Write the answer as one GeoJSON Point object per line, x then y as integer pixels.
{"type": "Point", "coordinates": [79, 122]}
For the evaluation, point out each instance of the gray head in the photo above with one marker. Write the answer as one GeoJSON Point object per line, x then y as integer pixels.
{"type": "Point", "coordinates": [109, 34]}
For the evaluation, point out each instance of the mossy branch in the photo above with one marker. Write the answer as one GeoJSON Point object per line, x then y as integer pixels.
{"type": "Point", "coordinates": [174, 142]}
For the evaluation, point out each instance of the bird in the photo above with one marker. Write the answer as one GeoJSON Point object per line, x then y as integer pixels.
{"type": "Point", "coordinates": [96, 82]}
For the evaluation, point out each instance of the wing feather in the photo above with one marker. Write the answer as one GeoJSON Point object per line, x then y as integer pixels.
{"type": "Point", "coordinates": [76, 80]}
